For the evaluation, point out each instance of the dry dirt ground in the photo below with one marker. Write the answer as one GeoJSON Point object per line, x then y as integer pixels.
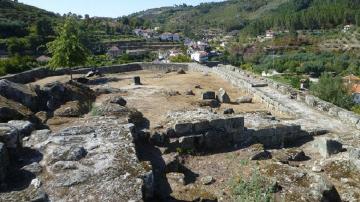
{"type": "Point", "coordinates": [153, 98]}
{"type": "Point", "coordinates": [157, 96]}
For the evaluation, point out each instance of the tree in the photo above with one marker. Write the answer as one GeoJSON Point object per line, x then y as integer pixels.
{"type": "Point", "coordinates": [67, 49]}
{"type": "Point", "coordinates": [332, 90]}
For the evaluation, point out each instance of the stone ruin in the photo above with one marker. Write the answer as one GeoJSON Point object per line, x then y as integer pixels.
{"type": "Point", "coordinates": [110, 152]}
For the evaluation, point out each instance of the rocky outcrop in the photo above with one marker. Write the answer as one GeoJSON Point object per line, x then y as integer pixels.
{"type": "Point", "coordinates": [71, 109]}
{"type": "Point", "coordinates": [19, 93]}
{"type": "Point", "coordinates": [4, 162]}
{"type": "Point", "coordinates": [95, 160]}
{"type": "Point", "coordinates": [11, 110]}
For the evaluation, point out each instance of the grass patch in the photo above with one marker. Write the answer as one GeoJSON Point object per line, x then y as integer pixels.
{"type": "Point", "coordinates": [255, 189]}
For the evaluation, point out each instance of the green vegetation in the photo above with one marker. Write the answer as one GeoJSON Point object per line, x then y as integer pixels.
{"type": "Point", "coordinates": [256, 189]}
{"type": "Point", "coordinates": [180, 59]}
{"type": "Point", "coordinates": [67, 49]}
{"type": "Point", "coordinates": [331, 89]}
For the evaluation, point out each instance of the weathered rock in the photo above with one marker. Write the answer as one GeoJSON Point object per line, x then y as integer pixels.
{"type": "Point", "coordinates": [175, 179]}
{"type": "Point", "coordinates": [328, 147]}
{"type": "Point", "coordinates": [354, 153]}
{"type": "Point", "coordinates": [90, 74]}
{"type": "Point", "coordinates": [207, 180]}
{"type": "Point", "coordinates": [11, 110]}
{"type": "Point", "coordinates": [244, 99]}
{"type": "Point", "coordinates": [297, 155]}
{"type": "Point", "coordinates": [117, 100]}
{"type": "Point", "coordinates": [189, 92]}
{"type": "Point", "coordinates": [216, 140]}
{"type": "Point", "coordinates": [323, 190]}
{"type": "Point", "coordinates": [187, 143]}
{"type": "Point", "coordinates": [110, 170]}
{"type": "Point", "coordinates": [209, 95]}
{"type": "Point", "coordinates": [19, 93]}
{"type": "Point", "coordinates": [34, 168]}
{"type": "Point", "coordinates": [201, 126]}
{"type": "Point", "coordinates": [23, 127]}
{"type": "Point", "coordinates": [10, 136]}
{"type": "Point", "coordinates": [4, 162]}
{"type": "Point", "coordinates": [57, 94]}
{"type": "Point", "coordinates": [159, 139]}
{"type": "Point", "coordinates": [110, 109]}
{"type": "Point", "coordinates": [181, 71]}
{"type": "Point", "coordinates": [71, 109]}
{"type": "Point", "coordinates": [82, 80]}
{"type": "Point", "coordinates": [223, 97]}
{"type": "Point", "coordinates": [42, 116]}
{"type": "Point", "coordinates": [73, 153]}
{"type": "Point", "coordinates": [183, 128]}
{"type": "Point", "coordinates": [209, 103]}
{"type": "Point", "coordinates": [172, 163]}
{"type": "Point", "coordinates": [229, 111]}
{"type": "Point", "coordinates": [36, 139]}
{"type": "Point", "coordinates": [137, 80]}
{"type": "Point", "coordinates": [262, 155]}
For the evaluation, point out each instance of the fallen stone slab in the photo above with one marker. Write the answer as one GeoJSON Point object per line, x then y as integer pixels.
{"type": "Point", "coordinates": [223, 97]}
{"type": "Point", "coordinates": [244, 99]}
{"type": "Point", "coordinates": [327, 147]}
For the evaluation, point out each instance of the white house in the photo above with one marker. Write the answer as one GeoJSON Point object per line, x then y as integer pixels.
{"type": "Point", "coordinates": [269, 34]}
{"type": "Point", "coordinates": [199, 56]}
{"type": "Point", "coordinates": [167, 36]}
{"type": "Point", "coordinates": [347, 28]}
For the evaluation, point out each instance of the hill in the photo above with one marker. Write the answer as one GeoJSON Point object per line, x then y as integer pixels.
{"type": "Point", "coordinates": [16, 18]}
{"type": "Point", "coordinates": [254, 16]}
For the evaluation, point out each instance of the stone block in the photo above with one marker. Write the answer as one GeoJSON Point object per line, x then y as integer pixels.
{"type": "Point", "coordinates": [183, 129]}
{"type": "Point", "coordinates": [4, 162]}
{"type": "Point", "coordinates": [223, 97]}
{"type": "Point", "coordinates": [208, 95]}
{"type": "Point", "coordinates": [327, 147]}
{"type": "Point", "coordinates": [137, 80]}
{"type": "Point", "coordinates": [201, 126]}
{"type": "Point", "coordinates": [216, 140]}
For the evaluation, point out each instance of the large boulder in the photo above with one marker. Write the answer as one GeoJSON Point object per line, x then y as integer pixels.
{"type": "Point", "coordinates": [20, 93]}
{"type": "Point", "coordinates": [323, 190]}
{"type": "Point", "coordinates": [4, 162]}
{"type": "Point", "coordinates": [117, 100]}
{"type": "Point", "coordinates": [23, 127]}
{"type": "Point", "coordinates": [56, 94]}
{"type": "Point", "coordinates": [71, 109]}
{"type": "Point", "coordinates": [328, 147]}
{"type": "Point", "coordinates": [11, 110]}
{"type": "Point", "coordinates": [10, 136]}
{"type": "Point", "coordinates": [223, 97]}
{"type": "Point", "coordinates": [244, 99]}
{"type": "Point", "coordinates": [94, 159]}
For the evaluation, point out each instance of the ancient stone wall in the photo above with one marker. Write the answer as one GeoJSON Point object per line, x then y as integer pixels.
{"type": "Point", "coordinates": [43, 72]}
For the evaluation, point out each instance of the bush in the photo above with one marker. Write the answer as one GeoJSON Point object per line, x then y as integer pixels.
{"type": "Point", "coordinates": [332, 89]}
{"type": "Point", "coordinates": [255, 190]}
{"type": "Point", "coordinates": [180, 58]}
{"type": "Point", "coordinates": [16, 64]}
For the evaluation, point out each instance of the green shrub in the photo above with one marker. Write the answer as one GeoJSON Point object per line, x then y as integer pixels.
{"type": "Point", "coordinates": [16, 64]}
{"type": "Point", "coordinates": [180, 58]}
{"type": "Point", "coordinates": [331, 89]}
{"type": "Point", "coordinates": [255, 189]}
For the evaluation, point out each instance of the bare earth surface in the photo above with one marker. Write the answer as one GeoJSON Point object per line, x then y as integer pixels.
{"type": "Point", "coordinates": [165, 92]}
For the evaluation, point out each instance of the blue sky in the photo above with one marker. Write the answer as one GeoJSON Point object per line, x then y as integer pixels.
{"type": "Point", "coordinates": [105, 8]}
